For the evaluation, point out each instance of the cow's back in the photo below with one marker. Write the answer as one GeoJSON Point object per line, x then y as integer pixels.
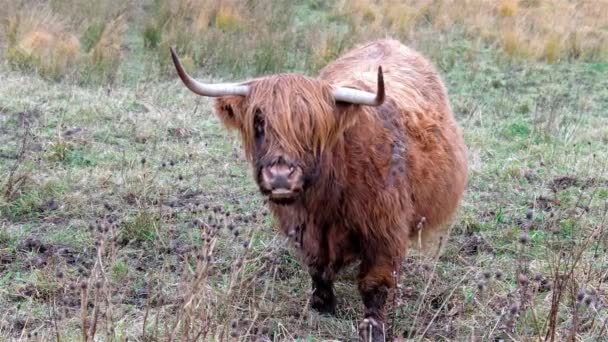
{"type": "Point", "coordinates": [410, 79]}
{"type": "Point", "coordinates": [434, 151]}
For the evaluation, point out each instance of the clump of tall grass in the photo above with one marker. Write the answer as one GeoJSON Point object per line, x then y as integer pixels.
{"type": "Point", "coordinates": [82, 13]}
{"type": "Point", "coordinates": [183, 24]}
{"type": "Point", "coordinates": [549, 30]}
{"type": "Point", "coordinates": [507, 8]}
{"type": "Point", "coordinates": [106, 53]}
{"type": "Point", "coordinates": [39, 39]}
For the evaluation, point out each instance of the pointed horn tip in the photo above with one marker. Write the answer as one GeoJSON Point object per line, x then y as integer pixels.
{"type": "Point", "coordinates": [381, 93]}
{"type": "Point", "coordinates": [181, 72]}
{"type": "Point", "coordinates": [210, 90]}
{"type": "Point", "coordinates": [367, 98]}
{"type": "Point", "coordinates": [176, 62]}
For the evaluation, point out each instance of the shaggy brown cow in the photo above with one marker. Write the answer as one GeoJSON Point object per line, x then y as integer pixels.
{"type": "Point", "coordinates": [350, 174]}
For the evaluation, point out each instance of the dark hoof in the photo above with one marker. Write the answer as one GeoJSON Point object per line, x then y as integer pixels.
{"type": "Point", "coordinates": [324, 303]}
{"type": "Point", "coordinates": [371, 330]}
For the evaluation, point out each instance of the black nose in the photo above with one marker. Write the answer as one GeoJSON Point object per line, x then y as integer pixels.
{"type": "Point", "coordinates": [278, 176]}
{"type": "Point", "coordinates": [280, 182]}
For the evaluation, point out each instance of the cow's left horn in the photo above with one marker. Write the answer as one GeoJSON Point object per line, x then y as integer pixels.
{"type": "Point", "coordinates": [355, 96]}
{"type": "Point", "coordinates": [204, 89]}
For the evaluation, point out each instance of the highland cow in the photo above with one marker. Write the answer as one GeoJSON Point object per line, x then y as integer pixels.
{"type": "Point", "coordinates": [355, 163]}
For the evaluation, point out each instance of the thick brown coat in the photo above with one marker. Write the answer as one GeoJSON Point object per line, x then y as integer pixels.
{"type": "Point", "coordinates": [373, 173]}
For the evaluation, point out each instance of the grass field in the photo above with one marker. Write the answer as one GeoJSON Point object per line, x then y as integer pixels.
{"type": "Point", "coordinates": [126, 209]}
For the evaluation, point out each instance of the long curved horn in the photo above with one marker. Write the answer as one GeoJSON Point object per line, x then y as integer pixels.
{"type": "Point", "coordinates": [355, 96]}
{"type": "Point", "coordinates": [204, 89]}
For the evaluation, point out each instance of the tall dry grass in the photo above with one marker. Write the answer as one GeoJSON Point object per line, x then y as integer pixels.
{"type": "Point", "coordinates": [239, 37]}
{"type": "Point", "coordinates": [546, 30]}
{"type": "Point", "coordinates": [39, 39]}
{"type": "Point", "coordinates": [229, 35]}
{"type": "Point", "coordinates": [56, 41]}
{"type": "Point", "coordinates": [105, 55]}
{"type": "Point", "coordinates": [236, 37]}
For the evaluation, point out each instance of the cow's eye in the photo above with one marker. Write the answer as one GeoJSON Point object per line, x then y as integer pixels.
{"type": "Point", "coordinates": [258, 124]}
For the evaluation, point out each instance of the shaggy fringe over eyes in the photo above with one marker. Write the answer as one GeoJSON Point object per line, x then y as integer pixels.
{"type": "Point", "coordinates": [298, 112]}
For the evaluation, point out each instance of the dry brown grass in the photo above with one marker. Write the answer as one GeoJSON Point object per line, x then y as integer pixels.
{"type": "Point", "coordinates": [184, 22]}
{"type": "Point", "coordinates": [228, 35]}
{"type": "Point", "coordinates": [106, 54]}
{"type": "Point", "coordinates": [545, 30]}
{"type": "Point", "coordinates": [37, 37]}
{"type": "Point", "coordinates": [241, 38]}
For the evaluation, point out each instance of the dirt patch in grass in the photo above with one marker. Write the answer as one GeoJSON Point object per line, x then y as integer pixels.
{"type": "Point", "coordinates": [563, 182]}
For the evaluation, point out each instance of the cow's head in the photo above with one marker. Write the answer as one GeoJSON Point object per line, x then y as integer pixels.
{"type": "Point", "coordinates": [286, 122]}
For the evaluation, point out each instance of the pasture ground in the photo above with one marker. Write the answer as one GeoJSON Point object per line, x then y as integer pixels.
{"type": "Point", "coordinates": [126, 209]}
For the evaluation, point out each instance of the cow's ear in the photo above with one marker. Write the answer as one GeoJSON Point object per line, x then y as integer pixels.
{"type": "Point", "coordinates": [229, 109]}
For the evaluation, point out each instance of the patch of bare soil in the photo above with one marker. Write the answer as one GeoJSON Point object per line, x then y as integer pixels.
{"type": "Point", "coordinates": [76, 135]}
{"type": "Point", "coordinates": [544, 203]}
{"type": "Point", "coordinates": [28, 117]}
{"type": "Point", "coordinates": [18, 324]}
{"type": "Point", "coordinates": [71, 133]}
{"type": "Point", "coordinates": [475, 244]}
{"type": "Point", "coordinates": [37, 254]}
{"type": "Point", "coordinates": [563, 182]}
{"type": "Point", "coordinates": [594, 182]}
{"type": "Point", "coordinates": [179, 133]}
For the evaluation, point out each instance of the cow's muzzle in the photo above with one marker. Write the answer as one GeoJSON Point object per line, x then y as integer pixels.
{"type": "Point", "coordinates": [281, 182]}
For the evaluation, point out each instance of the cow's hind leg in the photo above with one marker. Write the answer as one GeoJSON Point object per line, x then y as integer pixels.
{"type": "Point", "coordinates": [375, 280]}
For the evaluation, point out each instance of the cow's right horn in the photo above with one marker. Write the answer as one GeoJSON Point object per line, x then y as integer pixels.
{"type": "Point", "coordinates": [204, 89]}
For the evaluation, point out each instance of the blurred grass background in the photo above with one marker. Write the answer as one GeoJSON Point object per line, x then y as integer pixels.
{"type": "Point", "coordinates": [110, 41]}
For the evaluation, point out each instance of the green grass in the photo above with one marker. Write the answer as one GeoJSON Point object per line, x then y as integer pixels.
{"type": "Point", "coordinates": [139, 161]}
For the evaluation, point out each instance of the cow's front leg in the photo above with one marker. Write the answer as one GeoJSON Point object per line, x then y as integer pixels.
{"type": "Point", "coordinates": [375, 281]}
{"type": "Point", "coordinates": [307, 243]}
{"type": "Point", "coordinates": [323, 298]}
{"type": "Point", "coordinates": [326, 251]}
